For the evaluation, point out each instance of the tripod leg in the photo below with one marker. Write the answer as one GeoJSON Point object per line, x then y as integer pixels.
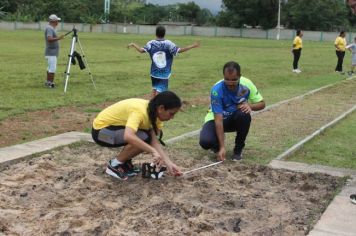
{"type": "Point", "coordinates": [67, 72]}
{"type": "Point", "coordinates": [86, 64]}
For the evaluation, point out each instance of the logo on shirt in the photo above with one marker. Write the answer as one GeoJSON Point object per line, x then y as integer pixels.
{"type": "Point", "coordinates": [242, 93]}
{"type": "Point", "coordinates": [214, 93]}
{"type": "Point", "coordinates": [159, 58]}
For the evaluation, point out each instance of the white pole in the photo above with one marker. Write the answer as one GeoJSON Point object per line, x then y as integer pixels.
{"type": "Point", "coordinates": [279, 20]}
{"type": "Point", "coordinates": [203, 167]}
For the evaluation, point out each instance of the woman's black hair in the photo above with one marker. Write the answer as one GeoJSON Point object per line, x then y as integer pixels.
{"type": "Point", "coordinates": [342, 32]}
{"type": "Point", "coordinates": [168, 99]}
{"type": "Point", "coordinates": [298, 32]}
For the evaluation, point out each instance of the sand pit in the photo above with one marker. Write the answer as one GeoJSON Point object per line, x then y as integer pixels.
{"type": "Point", "coordinates": [66, 192]}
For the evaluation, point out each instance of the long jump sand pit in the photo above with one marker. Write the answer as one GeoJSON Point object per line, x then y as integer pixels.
{"type": "Point", "coordinates": [66, 192]}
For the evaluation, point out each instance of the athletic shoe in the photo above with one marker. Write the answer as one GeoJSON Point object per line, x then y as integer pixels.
{"type": "Point", "coordinates": [214, 150]}
{"type": "Point", "coordinates": [350, 73]}
{"type": "Point", "coordinates": [298, 70]}
{"type": "Point", "coordinates": [116, 171]}
{"type": "Point", "coordinates": [130, 169]}
{"type": "Point", "coordinates": [295, 71]}
{"type": "Point", "coordinates": [353, 198]}
{"type": "Point", "coordinates": [49, 84]}
{"type": "Point", "coordinates": [237, 156]}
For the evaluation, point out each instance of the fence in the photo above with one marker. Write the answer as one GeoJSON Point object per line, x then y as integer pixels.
{"type": "Point", "coordinates": [178, 30]}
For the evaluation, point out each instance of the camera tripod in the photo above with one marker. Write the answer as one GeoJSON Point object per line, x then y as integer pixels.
{"type": "Point", "coordinates": [71, 55]}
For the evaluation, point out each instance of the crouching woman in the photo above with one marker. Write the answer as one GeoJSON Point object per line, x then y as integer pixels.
{"type": "Point", "coordinates": [135, 124]}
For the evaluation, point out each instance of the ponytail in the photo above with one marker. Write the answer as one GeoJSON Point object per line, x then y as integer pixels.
{"type": "Point", "coordinates": [168, 99]}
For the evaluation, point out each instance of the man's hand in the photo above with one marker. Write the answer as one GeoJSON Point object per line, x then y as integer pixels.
{"type": "Point", "coordinates": [60, 37]}
{"type": "Point", "coordinates": [245, 107]}
{"type": "Point", "coordinates": [221, 154]}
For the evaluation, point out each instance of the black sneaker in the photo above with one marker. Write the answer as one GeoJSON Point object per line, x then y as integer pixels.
{"type": "Point", "coordinates": [214, 150]}
{"type": "Point", "coordinates": [49, 84]}
{"type": "Point", "coordinates": [130, 169]}
{"type": "Point", "coordinates": [237, 156]}
{"type": "Point", "coordinates": [116, 171]}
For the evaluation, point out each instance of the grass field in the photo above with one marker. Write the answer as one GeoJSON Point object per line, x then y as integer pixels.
{"type": "Point", "coordinates": [342, 152]}
{"type": "Point", "coordinates": [121, 73]}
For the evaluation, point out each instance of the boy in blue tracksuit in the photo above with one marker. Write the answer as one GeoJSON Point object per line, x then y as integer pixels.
{"type": "Point", "coordinates": [161, 52]}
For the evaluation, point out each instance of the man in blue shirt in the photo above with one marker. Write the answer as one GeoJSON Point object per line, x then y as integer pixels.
{"type": "Point", "coordinates": [161, 52]}
{"type": "Point", "coordinates": [232, 101]}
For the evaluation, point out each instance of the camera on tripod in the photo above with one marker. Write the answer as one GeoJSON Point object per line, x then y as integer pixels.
{"type": "Point", "coordinates": [74, 56]}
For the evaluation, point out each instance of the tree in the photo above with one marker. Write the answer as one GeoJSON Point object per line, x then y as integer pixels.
{"type": "Point", "coordinates": [189, 11]}
{"type": "Point", "coordinates": [204, 16]}
{"type": "Point", "coordinates": [236, 13]}
{"type": "Point", "coordinates": [316, 14]}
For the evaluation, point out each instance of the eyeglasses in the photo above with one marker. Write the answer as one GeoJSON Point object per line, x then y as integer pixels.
{"type": "Point", "coordinates": [233, 80]}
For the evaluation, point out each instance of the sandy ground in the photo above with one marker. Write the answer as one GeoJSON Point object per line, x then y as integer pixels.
{"type": "Point", "coordinates": [66, 192]}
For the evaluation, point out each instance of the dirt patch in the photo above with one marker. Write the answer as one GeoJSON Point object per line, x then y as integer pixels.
{"type": "Point", "coordinates": [44, 123]}
{"type": "Point", "coordinates": [66, 192]}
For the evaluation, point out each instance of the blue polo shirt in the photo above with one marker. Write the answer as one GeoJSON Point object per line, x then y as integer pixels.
{"type": "Point", "coordinates": [224, 101]}
{"type": "Point", "coordinates": [161, 53]}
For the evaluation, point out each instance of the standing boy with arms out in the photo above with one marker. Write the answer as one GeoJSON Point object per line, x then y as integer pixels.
{"type": "Point", "coordinates": [161, 52]}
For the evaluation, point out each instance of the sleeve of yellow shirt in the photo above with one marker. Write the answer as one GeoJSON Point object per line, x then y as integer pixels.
{"type": "Point", "coordinates": [134, 120]}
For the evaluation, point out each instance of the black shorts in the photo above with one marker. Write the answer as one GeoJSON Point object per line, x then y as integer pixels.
{"type": "Point", "coordinates": [113, 136]}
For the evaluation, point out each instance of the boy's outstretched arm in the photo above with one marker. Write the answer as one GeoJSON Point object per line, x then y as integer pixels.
{"type": "Point", "coordinates": [138, 48]}
{"type": "Point", "coordinates": [194, 45]}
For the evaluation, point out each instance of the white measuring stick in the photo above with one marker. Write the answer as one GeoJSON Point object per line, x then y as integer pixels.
{"type": "Point", "coordinates": [203, 167]}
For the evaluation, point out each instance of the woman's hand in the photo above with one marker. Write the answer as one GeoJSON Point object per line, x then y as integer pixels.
{"type": "Point", "coordinates": [174, 169]}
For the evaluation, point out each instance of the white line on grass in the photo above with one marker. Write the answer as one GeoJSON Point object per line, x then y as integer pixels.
{"type": "Point", "coordinates": [196, 132]}
{"type": "Point", "coordinates": [300, 144]}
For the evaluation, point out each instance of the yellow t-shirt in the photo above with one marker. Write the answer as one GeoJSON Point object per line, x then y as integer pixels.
{"type": "Point", "coordinates": [341, 43]}
{"type": "Point", "coordinates": [130, 113]}
{"type": "Point", "coordinates": [297, 42]}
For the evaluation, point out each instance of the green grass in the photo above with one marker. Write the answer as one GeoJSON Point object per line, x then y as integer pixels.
{"type": "Point", "coordinates": [121, 73]}
{"type": "Point", "coordinates": [336, 147]}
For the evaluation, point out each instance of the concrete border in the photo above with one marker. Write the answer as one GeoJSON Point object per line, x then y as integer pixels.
{"type": "Point", "coordinates": [19, 152]}
{"type": "Point", "coordinates": [316, 133]}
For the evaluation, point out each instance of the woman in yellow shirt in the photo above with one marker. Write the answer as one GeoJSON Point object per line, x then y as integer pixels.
{"type": "Point", "coordinates": [135, 123]}
{"type": "Point", "coordinates": [340, 45]}
{"type": "Point", "coordinates": [297, 50]}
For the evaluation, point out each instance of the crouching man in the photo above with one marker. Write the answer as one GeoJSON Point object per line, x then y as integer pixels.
{"type": "Point", "coordinates": [231, 102]}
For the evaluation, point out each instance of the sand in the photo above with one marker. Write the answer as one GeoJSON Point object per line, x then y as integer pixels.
{"type": "Point", "coordinates": [66, 192]}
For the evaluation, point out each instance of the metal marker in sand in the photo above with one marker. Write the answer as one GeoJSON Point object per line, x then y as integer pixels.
{"type": "Point", "coordinates": [203, 167]}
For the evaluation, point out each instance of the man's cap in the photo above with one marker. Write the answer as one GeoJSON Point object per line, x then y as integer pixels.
{"type": "Point", "coordinates": [53, 17]}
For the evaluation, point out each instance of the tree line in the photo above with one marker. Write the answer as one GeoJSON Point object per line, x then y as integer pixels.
{"type": "Point", "coordinates": [326, 15]}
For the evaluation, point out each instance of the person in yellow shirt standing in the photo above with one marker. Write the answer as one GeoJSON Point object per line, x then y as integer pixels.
{"type": "Point", "coordinates": [135, 123]}
{"type": "Point", "coordinates": [340, 45]}
{"type": "Point", "coordinates": [297, 50]}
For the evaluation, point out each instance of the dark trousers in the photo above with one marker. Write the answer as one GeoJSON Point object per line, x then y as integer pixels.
{"type": "Point", "coordinates": [296, 54]}
{"type": "Point", "coordinates": [239, 122]}
{"type": "Point", "coordinates": [340, 59]}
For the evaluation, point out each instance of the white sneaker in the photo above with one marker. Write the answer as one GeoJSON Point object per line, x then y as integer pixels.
{"type": "Point", "coordinates": [295, 71]}
{"type": "Point", "coordinates": [298, 71]}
